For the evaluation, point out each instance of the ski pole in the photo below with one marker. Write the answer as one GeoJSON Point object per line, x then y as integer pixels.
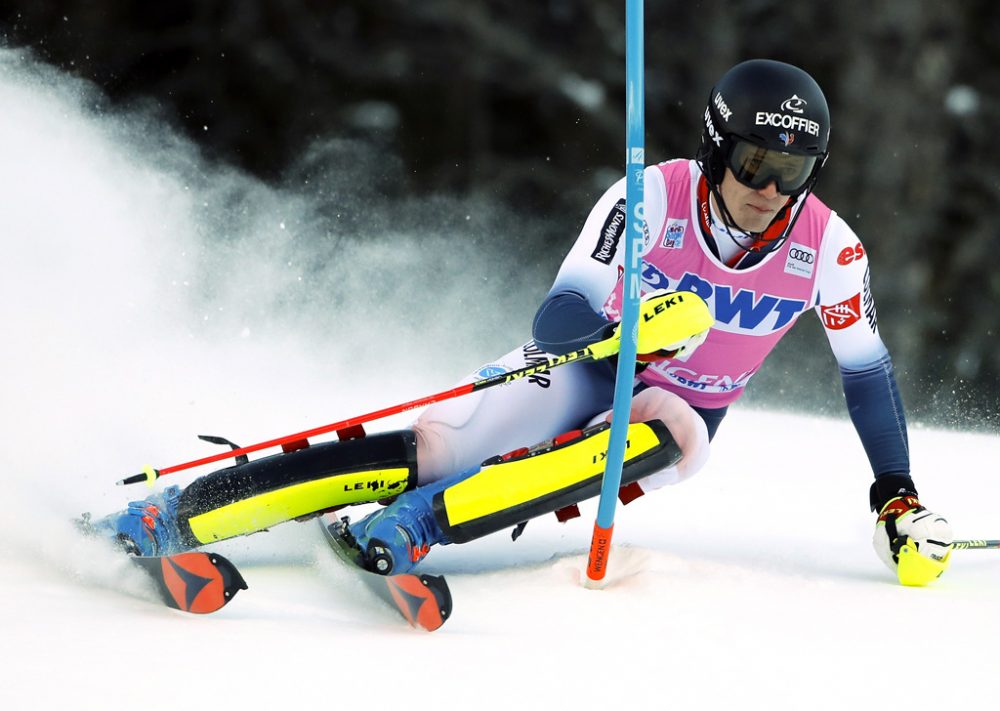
{"type": "Point", "coordinates": [596, 351]}
{"type": "Point", "coordinates": [635, 161]}
{"type": "Point", "coordinates": [968, 545]}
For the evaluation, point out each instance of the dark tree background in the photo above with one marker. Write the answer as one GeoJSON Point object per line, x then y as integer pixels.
{"type": "Point", "coordinates": [521, 104]}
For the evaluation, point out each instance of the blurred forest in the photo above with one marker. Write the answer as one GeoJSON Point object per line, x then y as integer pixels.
{"type": "Point", "coordinates": [522, 104]}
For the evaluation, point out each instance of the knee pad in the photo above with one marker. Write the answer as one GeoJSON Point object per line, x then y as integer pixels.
{"type": "Point", "coordinates": [255, 495]}
{"type": "Point", "coordinates": [526, 483]}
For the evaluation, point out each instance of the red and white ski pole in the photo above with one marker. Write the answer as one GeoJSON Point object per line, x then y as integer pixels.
{"type": "Point", "coordinates": [349, 427]}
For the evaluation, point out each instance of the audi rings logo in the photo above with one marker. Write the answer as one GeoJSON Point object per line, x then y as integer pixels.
{"type": "Point", "coordinates": [800, 259]}
{"type": "Point", "coordinates": [800, 255]}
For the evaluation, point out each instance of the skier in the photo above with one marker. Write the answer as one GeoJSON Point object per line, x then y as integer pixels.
{"type": "Point", "coordinates": [738, 247]}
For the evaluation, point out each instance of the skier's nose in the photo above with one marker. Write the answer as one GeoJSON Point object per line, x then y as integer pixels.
{"type": "Point", "coordinates": [769, 191]}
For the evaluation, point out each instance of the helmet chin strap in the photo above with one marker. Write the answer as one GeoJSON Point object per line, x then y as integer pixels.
{"type": "Point", "coordinates": [729, 222]}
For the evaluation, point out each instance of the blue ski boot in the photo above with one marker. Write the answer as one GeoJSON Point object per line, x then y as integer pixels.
{"type": "Point", "coordinates": [146, 528]}
{"type": "Point", "coordinates": [394, 539]}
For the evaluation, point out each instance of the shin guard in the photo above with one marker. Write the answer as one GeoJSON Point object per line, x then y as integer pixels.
{"type": "Point", "coordinates": [527, 483]}
{"type": "Point", "coordinates": [255, 495]}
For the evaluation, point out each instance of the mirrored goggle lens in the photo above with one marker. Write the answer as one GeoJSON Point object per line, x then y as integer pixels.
{"type": "Point", "coordinates": [756, 167]}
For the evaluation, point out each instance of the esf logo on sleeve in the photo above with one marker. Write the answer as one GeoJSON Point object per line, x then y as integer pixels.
{"type": "Point", "coordinates": [837, 317]}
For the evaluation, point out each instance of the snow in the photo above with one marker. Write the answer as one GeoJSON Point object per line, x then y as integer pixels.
{"type": "Point", "coordinates": [754, 585]}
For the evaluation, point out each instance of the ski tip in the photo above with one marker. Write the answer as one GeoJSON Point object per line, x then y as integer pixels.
{"type": "Point", "coordinates": [442, 595]}
{"type": "Point", "coordinates": [424, 600]}
{"type": "Point", "coordinates": [196, 582]}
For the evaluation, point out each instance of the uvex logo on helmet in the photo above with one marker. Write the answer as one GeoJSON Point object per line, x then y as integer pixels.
{"type": "Point", "coordinates": [724, 111]}
{"type": "Point", "coordinates": [710, 129]}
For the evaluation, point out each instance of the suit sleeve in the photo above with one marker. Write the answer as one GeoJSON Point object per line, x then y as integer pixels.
{"type": "Point", "coordinates": [846, 308]}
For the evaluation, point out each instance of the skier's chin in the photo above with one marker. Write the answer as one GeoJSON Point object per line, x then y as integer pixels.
{"type": "Point", "coordinates": [753, 220]}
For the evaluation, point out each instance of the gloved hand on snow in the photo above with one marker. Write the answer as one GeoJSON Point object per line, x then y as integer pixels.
{"type": "Point", "coordinates": [672, 324]}
{"type": "Point", "coordinates": [912, 541]}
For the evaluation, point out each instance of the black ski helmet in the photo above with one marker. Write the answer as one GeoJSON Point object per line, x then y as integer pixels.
{"type": "Point", "coordinates": [765, 120]}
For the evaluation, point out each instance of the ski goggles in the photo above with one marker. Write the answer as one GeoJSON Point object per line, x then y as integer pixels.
{"type": "Point", "coordinates": [756, 167]}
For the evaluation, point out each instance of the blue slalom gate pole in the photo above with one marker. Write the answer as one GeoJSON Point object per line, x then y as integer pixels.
{"type": "Point", "coordinates": [635, 160]}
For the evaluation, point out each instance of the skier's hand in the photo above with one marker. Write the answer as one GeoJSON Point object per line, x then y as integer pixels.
{"type": "Point", "coordinates": [912, 541]}
{"type": "Point", "coordinates": [672, 324]}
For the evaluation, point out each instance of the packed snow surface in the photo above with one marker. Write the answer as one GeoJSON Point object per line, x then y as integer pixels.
{"type": "Point", "coordinates": [147, 297]}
